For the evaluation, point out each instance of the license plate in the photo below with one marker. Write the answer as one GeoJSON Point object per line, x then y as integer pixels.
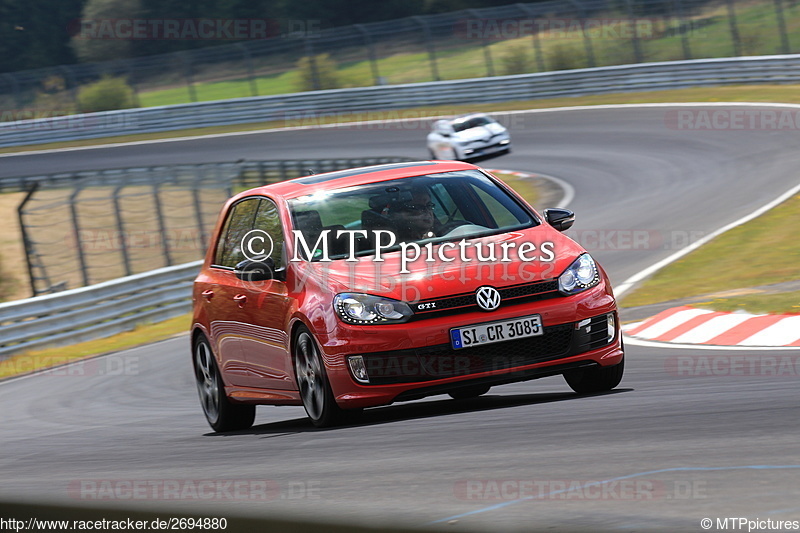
{"type": "Point", "coordinates": [489, 332]}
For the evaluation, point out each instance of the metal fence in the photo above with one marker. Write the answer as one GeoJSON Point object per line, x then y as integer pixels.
{"type": "Point", "coordinates": [88, 227]}
{"type": "Point", "coordinates": [512, 39]}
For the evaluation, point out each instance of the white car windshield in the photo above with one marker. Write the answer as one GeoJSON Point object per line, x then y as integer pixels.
{"type": "Point", "coordinates": [434, 207]}
{"type": "Point", "coordinates": [471, 122]}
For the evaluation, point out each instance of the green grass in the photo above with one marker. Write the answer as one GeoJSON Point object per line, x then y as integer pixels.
{"type": "Point", "coordinates": [760, 252]}
{"type": "Point", "coordinates": [782, 303]}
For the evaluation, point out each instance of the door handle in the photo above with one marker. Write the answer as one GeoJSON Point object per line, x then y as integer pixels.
{"type": "Point", "coordinates": [240, 299]}
{"type": "Point", "coordinates": [207, 294]}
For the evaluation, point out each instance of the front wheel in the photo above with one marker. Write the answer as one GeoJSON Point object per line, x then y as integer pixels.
{"type": "Point", "coordinates": [315, 390]}
{"type": "Point", "coordinates": [221, 414]}
{"type": "Point", "coordinates": [595, 379]}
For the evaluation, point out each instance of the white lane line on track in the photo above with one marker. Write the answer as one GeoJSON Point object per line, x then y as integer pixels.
{"type": "Point", "coordinates": [652, 269]}
{"type": "Point", "coordinates": [569, 190]}
{"type": "Point", "coordinates": [391, 121]}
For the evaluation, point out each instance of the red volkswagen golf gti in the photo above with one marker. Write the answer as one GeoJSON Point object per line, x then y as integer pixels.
{"type": "Point", "coordinates": [374, 285]}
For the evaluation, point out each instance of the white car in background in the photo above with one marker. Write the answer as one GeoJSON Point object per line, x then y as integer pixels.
{"type": "Point", "coordinates": [468, 137]}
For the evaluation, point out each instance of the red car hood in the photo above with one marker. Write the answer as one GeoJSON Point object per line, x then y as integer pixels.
{"type": "Point", "coordinates": [424, 279]}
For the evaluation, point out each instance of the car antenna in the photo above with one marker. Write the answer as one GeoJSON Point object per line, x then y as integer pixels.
{"type": "Point", "coordinates": [311, 172]}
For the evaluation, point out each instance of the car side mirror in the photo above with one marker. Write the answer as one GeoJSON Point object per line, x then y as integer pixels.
{"type": "Point", "coordinates": [249, 270]}
{"type": "Point", "coordinates": [560, 219]}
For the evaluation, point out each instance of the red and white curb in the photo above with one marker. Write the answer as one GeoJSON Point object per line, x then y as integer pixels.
{"type": "Point", "coordinates": [689, 325]}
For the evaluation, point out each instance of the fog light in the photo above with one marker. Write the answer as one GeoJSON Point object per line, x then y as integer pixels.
{"type": "Point", "coordinates": [612, 328]}
{"type": "Point", "coordinates": [358, 368]}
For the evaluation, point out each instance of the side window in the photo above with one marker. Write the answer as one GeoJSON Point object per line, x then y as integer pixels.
{"type": "Point", "coordinates": [445, 206]}
{"type": "Point", "coordinates": [268, 219]}
{"type": "Point", "coordinates": [240, 221]}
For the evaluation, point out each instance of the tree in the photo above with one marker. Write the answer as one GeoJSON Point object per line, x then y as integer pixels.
{"type": "Point", "coordinates": [96, 39]}
{"type": "Point", "coordinates": [35, 33]}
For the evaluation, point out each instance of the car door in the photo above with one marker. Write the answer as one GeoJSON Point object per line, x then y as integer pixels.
{"type": "Point", "coordinates": [264, 307]}
{"type": "Point", "coordinates": [219, 290]}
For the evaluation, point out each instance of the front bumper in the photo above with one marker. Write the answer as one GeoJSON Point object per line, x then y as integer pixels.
{"type": "Point", "coordinates": [442, 361]}
{"type": "Point", "coordinates": [471, 152]}
{"type": "Point", "coordinates": [407, 361]}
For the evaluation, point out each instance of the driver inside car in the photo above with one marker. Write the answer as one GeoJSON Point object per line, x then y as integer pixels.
{"type": "Point", "coordinates": [413, 218]}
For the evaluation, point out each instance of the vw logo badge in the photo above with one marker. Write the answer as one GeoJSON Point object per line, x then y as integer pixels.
{"type": "Point", "coordinates": [488, 298]}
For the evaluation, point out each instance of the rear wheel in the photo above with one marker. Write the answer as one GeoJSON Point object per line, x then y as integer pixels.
{"type": "Point", "coordinates": [469, 392]}
{"type": "Point", "coordinates": [221, 414]}
{"type": "Point", "coordinates": [595, 379]}
{"type": "Point", "coordinates": [315, 390]}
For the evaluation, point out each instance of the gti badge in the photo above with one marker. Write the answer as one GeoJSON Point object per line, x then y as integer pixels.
{"type": "Point", "coordinates": [488, 298]}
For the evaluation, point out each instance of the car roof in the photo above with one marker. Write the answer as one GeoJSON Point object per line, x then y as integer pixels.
{"type": "Point", "coordinates": [354, 177]}
{"type": "Point", "coordinates": [462, 118]}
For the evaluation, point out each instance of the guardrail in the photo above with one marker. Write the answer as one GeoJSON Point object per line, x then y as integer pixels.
{"type": "Point", "coordinates": [96, 311]}
{"type": "Point", "coordinates": [312, 105]}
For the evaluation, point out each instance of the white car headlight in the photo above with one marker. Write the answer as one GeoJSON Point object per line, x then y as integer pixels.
{"type": "Point", "coordinates": [357, 308]}
{"type": "Point", "coordinates": [582, 274]}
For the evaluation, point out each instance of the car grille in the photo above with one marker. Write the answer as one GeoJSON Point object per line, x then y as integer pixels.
{"type": "Point", "coordinates": [462, 303]}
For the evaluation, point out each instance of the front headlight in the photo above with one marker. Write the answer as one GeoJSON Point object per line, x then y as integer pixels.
{"type": "Point", "coordinates": [581, 275]}
{"type": "Point", "coordinates": [357, 308]}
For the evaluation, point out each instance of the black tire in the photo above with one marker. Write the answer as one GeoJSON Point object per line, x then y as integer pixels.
{"type": "Point", "coordinates": [469, 392]}
{"type": "Point", "coordinates": [595, 379]}
{"type": "Point", "coordinates": [222, 414]}
{"type": "Point", "coordinates": [312, 381]}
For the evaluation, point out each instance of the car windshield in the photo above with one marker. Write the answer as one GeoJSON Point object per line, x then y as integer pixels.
{"type": "Point", "coordinates": [471, 122]}
{"type": "Point", "coordinates": [430, 208]}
